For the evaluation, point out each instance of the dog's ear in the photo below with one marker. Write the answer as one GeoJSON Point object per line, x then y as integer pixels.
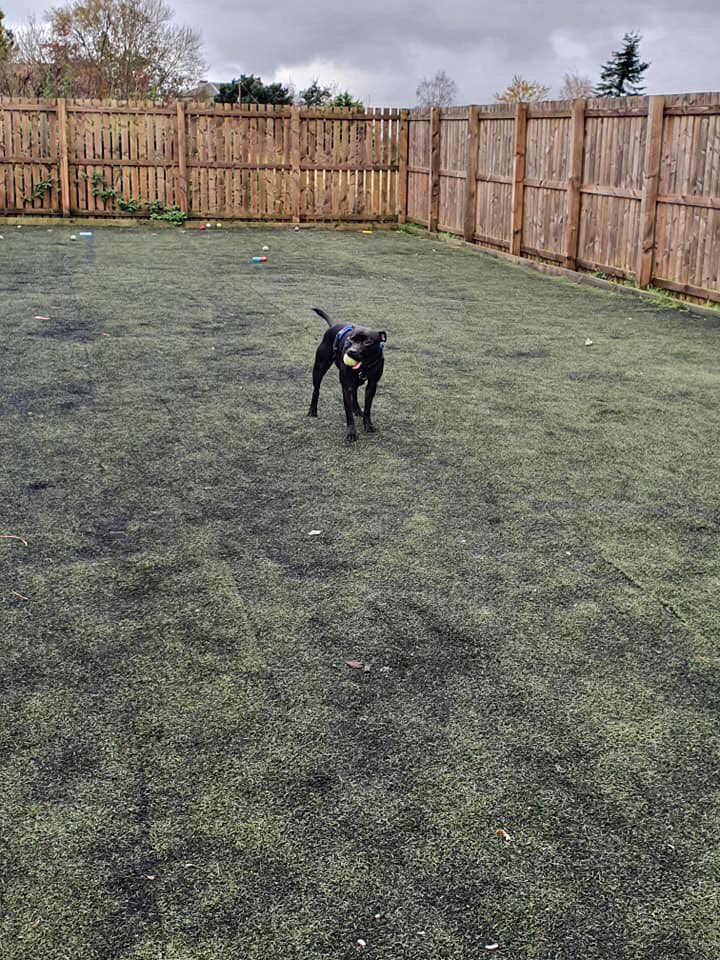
{"type": "Point", "coordinates": [383, 336]}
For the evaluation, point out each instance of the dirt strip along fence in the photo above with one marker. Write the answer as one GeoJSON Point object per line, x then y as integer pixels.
{"type": "Point", "coordinates": [102, 158]}
{"type": "Point", "coordinates": [626, 187]}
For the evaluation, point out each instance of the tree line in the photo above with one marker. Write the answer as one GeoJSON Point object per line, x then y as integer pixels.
{"type": "Point", "coordinates": [133, 49]}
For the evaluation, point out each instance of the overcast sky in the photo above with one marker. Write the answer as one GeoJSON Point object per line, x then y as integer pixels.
{"type": "Point", "coordinates": [381, 49]}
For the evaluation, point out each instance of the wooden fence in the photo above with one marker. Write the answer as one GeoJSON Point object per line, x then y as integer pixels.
{"type": "Point", "coordinates": [628, 187]}
{"type": "Point", "coordinates": [100, 158]}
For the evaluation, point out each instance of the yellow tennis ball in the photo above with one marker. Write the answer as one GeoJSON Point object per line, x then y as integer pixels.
{"type": "Point", "coordinates": [349, 361]}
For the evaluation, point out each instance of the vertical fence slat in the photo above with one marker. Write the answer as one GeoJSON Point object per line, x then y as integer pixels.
{"type": "Point", "coordinates": [295, 164]}
{"type": "Point", "coordinates": [473, 138]}
{"type": "Point", "coordinates": [181, 141]}
{"type": "Point", "coordinates": [575, 170]}
{"type": "Point", "coordinates": [404, 147]}
{"type": "Point", "coordinates": [63, 161]}
{"type": "Point", "coordinates": [518, 178]}
{"type": "Point", "coordinates": [434, 184]}
{"type": "Point", "coordinates": [651, 176]}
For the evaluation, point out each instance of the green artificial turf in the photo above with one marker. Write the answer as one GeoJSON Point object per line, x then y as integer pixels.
{"type": "Point", "coordinates": [525, 555]}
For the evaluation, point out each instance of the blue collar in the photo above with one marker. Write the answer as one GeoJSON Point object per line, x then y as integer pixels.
{"type": "Point", "coordinates": [341, 333]}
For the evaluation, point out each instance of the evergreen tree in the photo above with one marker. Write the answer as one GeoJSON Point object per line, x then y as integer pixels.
{"type": "Point", "coordinates": [345, 99]}
{"type": "Point", "coordinates": [621, 75]}
{"type": "Point", "coordinates": [315, 95]}
{"type": "Point", "coordinates": [250, 89]}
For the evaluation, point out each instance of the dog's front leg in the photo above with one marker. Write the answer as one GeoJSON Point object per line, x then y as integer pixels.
{"type": "Point", "coordinates": [350, 431]}
{"type": "Point", "coordinates": [369, 394]}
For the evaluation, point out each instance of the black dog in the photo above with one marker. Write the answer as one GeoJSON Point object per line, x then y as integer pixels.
{"type": "Point", "coordinates": [358, 354]}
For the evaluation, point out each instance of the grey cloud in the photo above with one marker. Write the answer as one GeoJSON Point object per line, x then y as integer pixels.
{"type": "Point", "coordinates": [386, 47]}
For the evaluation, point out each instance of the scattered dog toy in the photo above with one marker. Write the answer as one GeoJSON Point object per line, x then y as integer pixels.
{"type": "Point", "coordinates": [41, 318]}
{"type": "Point", "coordinates": [265, 248]}
{"type": "Point", "coordinates": [73, 237]}
{"type": "Point", "coordinates": [296, 229]}
{"type": "Point", "coordinates": [259, 260]}
{"type": "Point", "coordinates": [351, 362]}
{"type": "Point", "coordinates": [86, 233]}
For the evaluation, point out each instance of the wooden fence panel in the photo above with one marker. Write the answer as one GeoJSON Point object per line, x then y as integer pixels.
{"type": "Point", "coordinates": [121, 157]}
{"type": "Point", "coordinates": [687, 232]}
{"type": "Point", "coordinates": [546, 181]}
{"type": "Point", "coordinates": [611, 188]}
{"type": "Point", "coordinates": [453, 169]}
{"type": "Point", "coordinates": [419, 167]}
{"type": "Point", "coordinates": [494, 175]}
{"type": "Point", "coordinates": [349, 164]}
{"type": "Point", "coordinates": [29, 161]}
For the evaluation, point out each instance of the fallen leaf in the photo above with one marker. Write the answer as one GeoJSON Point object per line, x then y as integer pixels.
{"type": "Point", "coordinates": [314, 533]}
{"type": "Point", "coordinates": [41, 318]}
{"type": "Point", "coordinates": [492, 946]}
{"type": "Point", "coordinates": [504, 834]}
{"type": "Point", "coordinates": [355, 664]}
{"type": "Point", "coordinates": [588, 342]}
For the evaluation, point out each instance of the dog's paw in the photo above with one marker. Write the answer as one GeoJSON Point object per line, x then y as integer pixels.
{"type": "Point", "coordinates": [312, 413]}
{"type": "Point", "coordinates": [368, 426]}
{"type": "Point", "coordinates": [351, 436]}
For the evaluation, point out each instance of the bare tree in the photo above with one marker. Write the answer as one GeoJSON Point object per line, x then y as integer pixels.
{"type": "Point", "coordinates": [112, 48]}
{"type": "Point", "coordinates": [440, 91]}
{"type": "Point", "coordinates": [522, 90]}
{"type": "Point", "coordinates": [576, 87]}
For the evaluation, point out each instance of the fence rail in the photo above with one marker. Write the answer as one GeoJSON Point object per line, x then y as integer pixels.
{"type": "Point", "coordinates": [627, 187]}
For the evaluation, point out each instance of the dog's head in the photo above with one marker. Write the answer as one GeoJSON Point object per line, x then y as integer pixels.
{"type": "Point", "coordinates": [364, 344]}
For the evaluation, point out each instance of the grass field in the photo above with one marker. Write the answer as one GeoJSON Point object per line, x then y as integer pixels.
{"type": "Point", "coordinates": [525, 556]}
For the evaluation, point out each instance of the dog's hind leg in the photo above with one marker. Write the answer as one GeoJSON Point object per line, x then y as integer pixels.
{"type": "Point", "coordinates": [323, 362]}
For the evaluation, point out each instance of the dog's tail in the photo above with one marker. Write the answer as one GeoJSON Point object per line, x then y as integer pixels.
{"type": "Point", "coordinates": [321, 313]}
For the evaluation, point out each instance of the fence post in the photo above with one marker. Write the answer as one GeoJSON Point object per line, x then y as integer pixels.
{"type": "Point", "coordinates": [295, 163]}
{"type": "Point", "coordinates": [434, 197]}
{"type": "Point", "coordinates": [182, 184]}
{"type": "Point", "coordinates": [473, 137]}
{"type": "Point", "coordinates": [572, 200]}
{"type": "Point", "coordinates": [518, 178]}
{"type": "Point", "coordinates": [651, 177]}
{"type": "Point", "coordinates": [403, 148]}
{"type": "Point", "coordinates": [63, 159]}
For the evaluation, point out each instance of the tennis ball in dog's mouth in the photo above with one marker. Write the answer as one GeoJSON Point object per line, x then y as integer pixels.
{"type": "Point", "coordinates": [350, 361]}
